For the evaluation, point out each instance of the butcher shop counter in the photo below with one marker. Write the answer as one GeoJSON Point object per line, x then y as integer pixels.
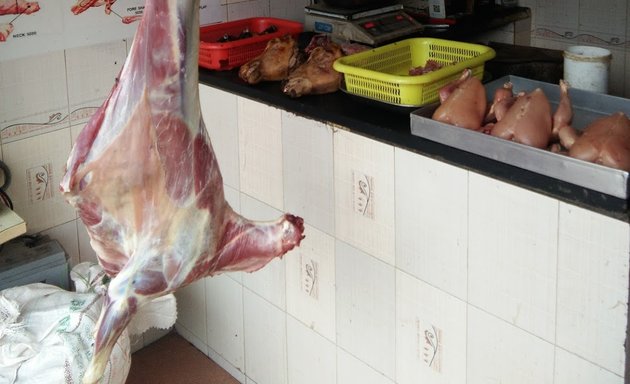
{"type": "Point", "coordinates": [391, 125]}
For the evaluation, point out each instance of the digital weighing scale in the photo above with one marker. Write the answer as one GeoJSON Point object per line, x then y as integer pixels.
{"type": "Point", "coordinates": [368, 25]}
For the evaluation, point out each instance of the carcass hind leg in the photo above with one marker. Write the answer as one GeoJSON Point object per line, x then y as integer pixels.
{"type": "Point", "coordinates": [115, 316]}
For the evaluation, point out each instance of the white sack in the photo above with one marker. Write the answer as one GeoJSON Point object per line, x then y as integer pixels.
{"type": "Point", "coordinates": [46, 336]}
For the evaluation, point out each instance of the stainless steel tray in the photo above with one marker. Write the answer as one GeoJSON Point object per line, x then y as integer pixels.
{"type": "Point", "coordinates": [587, 106]}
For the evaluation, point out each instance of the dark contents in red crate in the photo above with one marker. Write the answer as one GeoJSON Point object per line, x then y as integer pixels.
{"type": "Point", "coordinates": [227, 45]}
{"type": "Point", "coordinates": [246, 33]}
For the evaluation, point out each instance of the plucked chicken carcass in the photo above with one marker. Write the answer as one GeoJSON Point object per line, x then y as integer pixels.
{"type": "Point", "coordinates": [316, 76]}
{"type": "Point", "coordinates": [564, 113]}
{"type": "Point", "coordinates": [605, 141]}
{"type": "Point", "coordinates": [146, 183]}
{"type": "Point", "coordinates": [501, 103]}
{"type": "Point", "coordinates": [529, 120]}
{"type": "Point", "coordinates": [280, 56]}
{"type": "Point", "coordinates": [463, 102]}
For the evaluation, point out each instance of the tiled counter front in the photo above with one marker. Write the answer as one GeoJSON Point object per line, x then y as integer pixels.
{"type": "Point", "coordinates": [412, 271]}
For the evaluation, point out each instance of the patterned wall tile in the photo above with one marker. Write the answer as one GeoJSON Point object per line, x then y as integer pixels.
{"type": "Point", "coordinates": [366, 325]}
{"type": "Point", "coordinates": [430, 334]}
{"type": "Point", "coordinates": [219, 108]}
{"type": "Point", "coordinates": [289, 9]}
{"type": "Point", "coordinates": [244, 9]}
{"type": "Point", "coordinates": [86, 252]}
{"type": "Point", "coordinates": [25, 110]}
{"type": "Point", "coordinates": [224, 314]}
{"type": "Point", "coordinates": [499, 352]}
{"type": "Point", "coordinates": [351, 370]}
{"type": "Point", "coordinates": [311, 358]}
{"type": "Point", "coordinates": [260, 151]}
{"type": "Point", "coordinates": [617, 71]}
{"type": "Point", "coordinates": [431, 220]}
{"type": "Point", "coordinates": [213, 11]}
{"type": "Point", "coordinates": [268, 282]}
{"type": "Point", "coordinates": [191, 307]}
{"type": "Point", "coordinates": [608, 18]}
{"type": "Point", "coordinates": [67, 236]}
{"type": "Point", "coordinates": [570, 369]}
{"type": "Point", "coordinates": [310, 278]}
{"type": "Point", "coordinates": [308, 170]}
{"type": "Point", "coordinates": [265, 340]}
{"type": "Point", "coordinates": [512, 254]}
{"type": "Point", "coordinates": [593, 286]}
{"type": "Point", "coordinates": [37, 165]}
{"type": "Point", "coordinates": [364, 194]}
{"type": "Point", "coordinates": [91, 72]}
{"type": "Point", "coordinates": [75, 130]}
{"type": "Point", "coordinates": [562, 15]}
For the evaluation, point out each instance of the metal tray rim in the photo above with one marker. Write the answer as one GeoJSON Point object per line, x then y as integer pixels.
{"type": "Point", "coordinates": [582, 173]}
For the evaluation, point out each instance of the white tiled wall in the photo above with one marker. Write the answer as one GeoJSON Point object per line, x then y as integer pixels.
{"type": "Point", "coordinates": [364, 194]}
{"type": "Point", "coordinates": [560, 24]}
{"type": "Point", "coordinates": [484, 282]}
{"type": "Point", "coordinates": [512, 254]}
{"type": "Point", "coordinates": [480, 287]}
{"type": "Point", "coordinates": [48, 98]}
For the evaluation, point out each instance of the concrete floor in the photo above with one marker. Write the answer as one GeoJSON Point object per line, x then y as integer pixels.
{"type": "Point", "coordinates": [173, 360]}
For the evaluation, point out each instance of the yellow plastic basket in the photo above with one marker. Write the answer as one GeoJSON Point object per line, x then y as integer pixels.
{"type": "Point", "coordinates": [383, 73]}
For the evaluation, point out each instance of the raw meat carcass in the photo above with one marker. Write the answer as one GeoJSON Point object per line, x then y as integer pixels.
{"type": "Point", "coordinates": [316, 76]}
{"type": "Point", "coordinates": [84, 5]}
{"type": "Point", "coordinates": [17, 7]}
{"type": "Point", "coordinates": [5, 31]}
{"type": "Point", "coordinates": [145, 181]}
{"type": "Point", "coordinates": [463, 102]}
{"type": "Point", "coordinates": [605, 141]}
{"type": "Point", "coordinates": [528, 121]}
{"type": "Point", "coordinates": [280, 56]}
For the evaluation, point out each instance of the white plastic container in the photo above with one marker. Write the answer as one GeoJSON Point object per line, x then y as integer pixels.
{"type": "Point", "coordinates": [587, 68]}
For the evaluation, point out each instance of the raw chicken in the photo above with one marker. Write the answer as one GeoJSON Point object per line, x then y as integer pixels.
{"type": "Point", "coordinates": [17, 7]}
{"type": "Point", "coordinates": [528, 121]}
{"type": "Point", "coordinates": [278, 59]}
{"type": "Point", "coordinates": [605, 141]}
{"type": "Point", "coordinates": [564, 113]}
{"type": "Point", "coordinates": [146, 183]}
{"type": "Point", "coordinates": [501, 103]}
{"type": "Point", "coordinates": [84, 5]}
{"type": "Point", "coordinates": [316, 76]}
{"type": "Point", "coordinates": [463, 102]}
{"type": "Point", "coordinates": [5, 31]}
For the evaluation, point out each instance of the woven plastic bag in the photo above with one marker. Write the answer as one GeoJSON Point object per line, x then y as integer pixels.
{"type": "Point", "coordinates": [46, 336]}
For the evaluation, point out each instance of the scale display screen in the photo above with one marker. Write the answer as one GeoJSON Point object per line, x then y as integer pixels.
{"type": "Point", "coordinates": [387, 24]}
{"type": "Point", "coordinates": [373, 26]}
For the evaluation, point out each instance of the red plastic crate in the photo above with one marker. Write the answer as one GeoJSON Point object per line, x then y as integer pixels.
{"type": "Point", "coordinates": [231, 54]}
